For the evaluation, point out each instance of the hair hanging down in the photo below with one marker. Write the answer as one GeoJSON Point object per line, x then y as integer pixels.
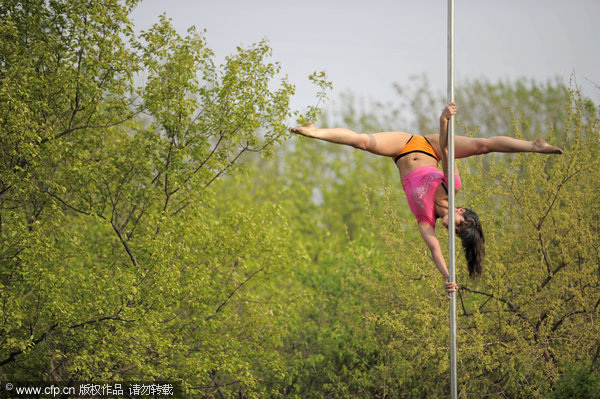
{"type": "Point", "coordinates": [473, 242]}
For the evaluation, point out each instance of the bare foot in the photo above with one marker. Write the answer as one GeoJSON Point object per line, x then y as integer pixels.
{"type": "Point", "coordinates": [541, 146]}
{"type": "Point", "coordinates": [305, 130]}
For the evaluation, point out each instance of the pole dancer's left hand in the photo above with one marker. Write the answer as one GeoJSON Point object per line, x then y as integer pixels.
{"type": "Point", "coordinates": [450, 287]}
{"type": "Point", "coordinates": [449, 111]}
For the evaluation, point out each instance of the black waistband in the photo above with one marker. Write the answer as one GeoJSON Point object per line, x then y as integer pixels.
{"type": "Point", "coordinates": [410, 152]}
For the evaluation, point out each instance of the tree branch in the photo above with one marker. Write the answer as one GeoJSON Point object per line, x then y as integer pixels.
{"type": "Point", "coordinates": [72, 129]}
{"type": "Point", "coordinates": [565, 317]}
{"type": "Point", "coordinates": [11, 357]}
{"type": "Point", "coordinates": [551, 275]}
{"type": "Point", "coordinates": [93, 321]}
{"type": "Point", "coordinates": [222, 135]}
{"type": "Point", "coordinates": [186, 201]}
{"type": "Point", "coordinates": [125, 245]}
{"type": "Point", "coordinates": [514, 308]}
{"type": "Point", "coordinates": [65, 203]}
{"type": "Point", "coordinates": [547, 259]}
{"type": "Point", "coordinates": [232, 293]}
{"type": "Point", "coordinates": [558, 188]}
{"type": "Point", "coordinates": [229, 165]}
{"type": "Point", "coordinates": [4, 191]}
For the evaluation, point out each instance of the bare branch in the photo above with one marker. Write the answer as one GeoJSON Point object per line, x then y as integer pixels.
{"type": "Point", "coordinates": [184, 203]}
{"type": "Point", "coordinates": [65, 203]}
{"type": "Point", "coordinates": [565, 317]}
{"type": "Point", "coordinates": [72, 129]}
{"type": "Point", "coordinates": [547, 259]}
{"type": "Point", "coordinates": [93, 321]}
{"type": "Point", "coordinates": [221, 136]}
{"type": "Point", "coordinates": [125, 245]}
{"type": "Point", "coordinates": [137, 220]}
{"type": "Point", "coordinates": [229, 165]}
{"type": "Point", "coordinates": [232, 293]}
{"type": "Point", "coordinates": [11, 357]}
{"type": "Point", "coordinates": [551, 275]}
{"type": "Point", "coordinates": [4, 191]}
{"type": "Point", "coordinates": [513, 307]}
{"type": "Point", "coordinates": [12, 256]}
{"type": "Point", "coordinates": [565, 179]}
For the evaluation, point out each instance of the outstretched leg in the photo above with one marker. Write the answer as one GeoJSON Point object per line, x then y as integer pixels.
{"type": "Point", "coordinates": [384, 143]}
{"type": "Point", "coordinates": [468, 146]}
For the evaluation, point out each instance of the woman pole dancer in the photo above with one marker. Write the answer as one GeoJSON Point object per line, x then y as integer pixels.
{"type": "Point", "coordinates": [417, 158]}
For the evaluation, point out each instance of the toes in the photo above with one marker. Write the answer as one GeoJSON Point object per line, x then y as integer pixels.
{"type": "Point", "coordinates": [543, 147]}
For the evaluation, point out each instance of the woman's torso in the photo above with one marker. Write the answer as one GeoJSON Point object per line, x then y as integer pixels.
{"type": "Point", "coordinates": [415, 160]}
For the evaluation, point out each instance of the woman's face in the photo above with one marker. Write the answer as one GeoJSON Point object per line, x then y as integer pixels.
{"type": "Point", "coordinates": [458, 218]}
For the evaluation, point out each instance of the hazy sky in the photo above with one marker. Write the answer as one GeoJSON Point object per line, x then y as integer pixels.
{"type": "Point", "coordinates": [366, 46]}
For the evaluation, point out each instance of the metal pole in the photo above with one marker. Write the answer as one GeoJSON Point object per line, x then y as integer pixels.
{"type": "Point", "coordinates": [451, 206]}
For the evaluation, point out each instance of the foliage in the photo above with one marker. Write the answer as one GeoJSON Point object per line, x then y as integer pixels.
{"type": "Point", "coordinates": [578, 381]}
{"type": "Point", "coordinates": [117, 259]}
{"type": "Point", "coordinates": [155, 226]}
{"type": "Point", "coordinates": [378, 323]}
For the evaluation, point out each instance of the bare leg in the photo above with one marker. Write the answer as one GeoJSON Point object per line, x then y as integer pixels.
{"type": "Point", "coordinates": [468, 146]}
{"type": "Point", "coordinates": [384, 143]}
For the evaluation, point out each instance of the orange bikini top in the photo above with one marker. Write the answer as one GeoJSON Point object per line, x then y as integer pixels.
{"type": "Point", "coordinates": [419, 144]}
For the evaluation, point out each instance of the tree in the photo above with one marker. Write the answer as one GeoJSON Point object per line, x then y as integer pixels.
{"type": "Point", "coordinates": [117, 261]}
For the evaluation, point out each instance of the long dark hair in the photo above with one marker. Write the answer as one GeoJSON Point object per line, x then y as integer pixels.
{"type": "Point", "coordinates": [473, 241]}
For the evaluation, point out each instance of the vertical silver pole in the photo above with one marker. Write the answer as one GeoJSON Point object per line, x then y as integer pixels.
{"type": "Point", "coordinates": [451, 206]}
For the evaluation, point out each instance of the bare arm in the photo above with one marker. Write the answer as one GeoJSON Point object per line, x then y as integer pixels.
{"type": "Point", "coordinates": [428, 234]}
{"type": "Point", "coordinates": [447, 113]}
